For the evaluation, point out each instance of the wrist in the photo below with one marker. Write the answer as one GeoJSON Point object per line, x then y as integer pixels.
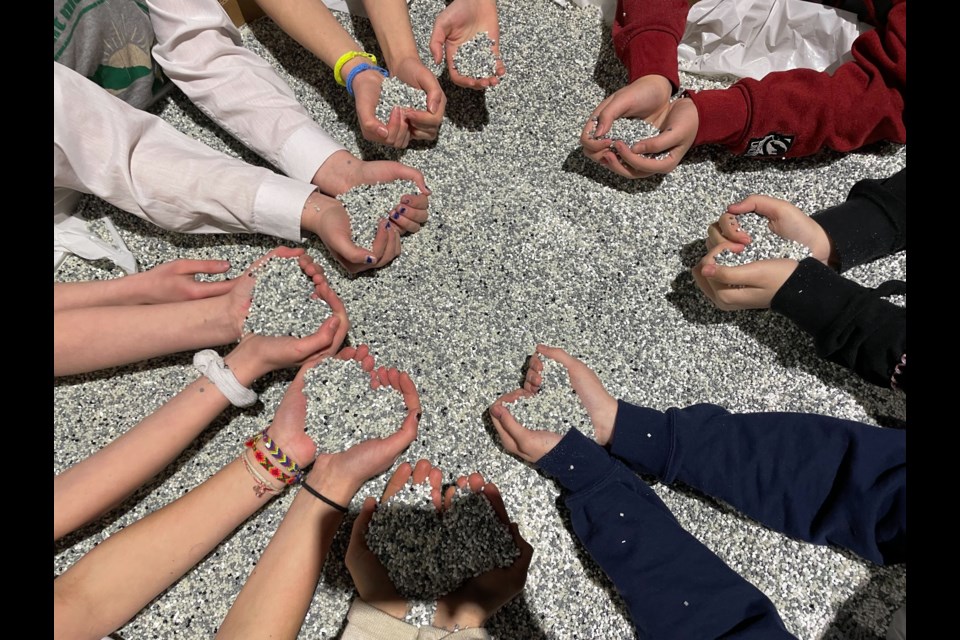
{"type": "Point", "coordinates": [246, 362]}
{"type": "Point", "coordinates": [452, 614]}
{"type": "Point", "coordinates": [338, 173]}
{"type": "Point", "coordinates": [329, 477]}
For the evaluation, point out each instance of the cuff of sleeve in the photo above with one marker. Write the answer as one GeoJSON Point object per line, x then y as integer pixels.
{"type": "Point", "coordinates": [434, 633]}
{"type": "Point", "coordinates": [643, 438]}
{"type": "Point", "coordinates": [651, 52]}
{"type": "Point", "coordinates": [278, 206]}
{"type": "Point", "coordinates": [813, 296]}
{"type": "Point", "coordinates": [724, 115]}
{"type": "Point", "coordinates": [577, 462]}
{"type": "Point", "coordinates": [367, 622]}
{"type": "Point", "coordinates": [306, 151]}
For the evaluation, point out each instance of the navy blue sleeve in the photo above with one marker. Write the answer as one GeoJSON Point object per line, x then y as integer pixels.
{"type": "Point", "coordinates": [673, 585]}
{"type": "Point", "coordinates": [812, 477]}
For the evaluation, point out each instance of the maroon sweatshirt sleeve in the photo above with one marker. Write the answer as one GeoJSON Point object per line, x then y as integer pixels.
{"type": "Point", "coordinates": [799, 112]}
{"type": "Point", "coordinates": [646, 34]}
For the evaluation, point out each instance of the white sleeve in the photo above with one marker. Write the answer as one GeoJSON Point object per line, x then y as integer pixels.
{"type": "Point", "coordinates": [202, 52]}
{"type": "Point", "coordinates": [139, 163]}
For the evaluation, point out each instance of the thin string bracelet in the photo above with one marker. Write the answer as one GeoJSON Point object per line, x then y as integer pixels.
{"type": "Point", "coordinates": [322, 498]}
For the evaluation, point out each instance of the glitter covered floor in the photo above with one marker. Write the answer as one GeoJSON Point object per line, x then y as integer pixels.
{"type": "Point", "coordinates": [528, 242]}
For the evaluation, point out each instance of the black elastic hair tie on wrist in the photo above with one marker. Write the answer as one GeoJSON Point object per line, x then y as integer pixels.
{"type": "Point", "coordinates": [322, 498]}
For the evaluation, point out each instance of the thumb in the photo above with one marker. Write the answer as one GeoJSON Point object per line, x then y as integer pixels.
{"type": "Point", "coordinates": [358, 533]}
{"type": "Point", "coordinates": [436, 40]}
{"type": "Point", "coordinates": [340, 243]}
{"type": "Point", "coordinates": [742, 275]}
{"type": "Point", "coordinates": [406, 172]}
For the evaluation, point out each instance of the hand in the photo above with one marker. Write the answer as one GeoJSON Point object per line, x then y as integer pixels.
{"type": "Point", "coordinates": [366, 92]}
{"type": "Point", "coordinates": [460, 21]}
{"type": "Point", "coordinates": [527, 444]}
{"type": "Point", "coordinates": [647, 98]}
{"type": "Point", "coordinates": [600, 405]}
{"type": "Point", "coordinates": [176, 281]}
{"type": "Point", "coordinates": [342, 172]}
{"type": "Point", "coordinates": [749, 286]}
{"type": "Point", "coordinates": [339, 475]}
{"type": "Point", "coordinates": [424, 125]}
{"type": "Point", "coordinates": [369, 575]}
{"type": "Point", "coordinates": [785, 220]}
{"type": "Point", "coordinates": [678, 130]}
{"type": "Point", "coordinates": [328, 220]}
{"type": "Point", "coordinates": [480, 597]}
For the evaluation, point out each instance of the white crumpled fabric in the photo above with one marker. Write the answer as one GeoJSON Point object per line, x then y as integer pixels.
{"type": "Point", "coordinates": [72, 235]}
{"type": "Point", "coordinates": [751, 38]}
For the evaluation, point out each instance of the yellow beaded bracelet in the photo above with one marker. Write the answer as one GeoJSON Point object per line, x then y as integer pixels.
{"type": "Point", "coordinates": [344, 59]}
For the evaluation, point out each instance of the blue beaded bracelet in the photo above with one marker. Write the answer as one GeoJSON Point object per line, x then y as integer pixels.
{"type": "Point", "coordinates": [363, 66]}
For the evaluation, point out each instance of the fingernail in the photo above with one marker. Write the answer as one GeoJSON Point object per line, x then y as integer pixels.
{"type": "Point", "coordinates": [405, 200]}
{"type": "Point", "coordinates": [396, 215]}
{"type": "Point", "coordinates": [369, 259]}
{"type": "Point", "coordinates": [387, 226]}
{"type": "Point", "coordinates": [382, 131]}
{"type": "Point", "coordinates": [419, 415]}
{"type": "Point", "coordinates": [403, 209]}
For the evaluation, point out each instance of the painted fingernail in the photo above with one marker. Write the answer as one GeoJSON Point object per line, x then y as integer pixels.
{"type": "Point", "coordinates": [369, 259]}
{"type": "Point", "coordinates": [419, 415]}
{"type": "Point", "coordinates": [396, 215]}
{"type": "Point", "coordinates": [387, 226]}
{"type": "Point", "coordinates": [403, 209]}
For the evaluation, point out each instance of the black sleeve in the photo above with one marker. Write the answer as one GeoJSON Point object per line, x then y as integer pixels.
{"type": "Point", "coordinates": [851, 325]}
{"type": "Point", "coordinates": [871, 223]}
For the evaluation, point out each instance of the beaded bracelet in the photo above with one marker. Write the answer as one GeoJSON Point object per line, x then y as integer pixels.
{"type": "Point", "coordinates": [344, 59]}
{"type": "Point", "coordinates": [363, 66]}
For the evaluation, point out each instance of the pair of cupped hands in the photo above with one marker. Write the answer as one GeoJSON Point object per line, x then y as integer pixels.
{"type": "Point", "coordinates": [459, 22]}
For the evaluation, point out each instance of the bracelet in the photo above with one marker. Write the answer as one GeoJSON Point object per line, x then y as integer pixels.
{"type": "Point", "coordinates": [283, 460]}
{"type": "Point", "coordinates": [262, 485]}
{"type": "Point", "coordinates": [363, 66]}
{"type": "Point", "coordinates": [319, 496]}
{"type": "Point", "coordinates": [344, 59]}
{"type": "Point", "coordinates": [275, 472]}
{"type": "Point", "coordinates": [209, 363]}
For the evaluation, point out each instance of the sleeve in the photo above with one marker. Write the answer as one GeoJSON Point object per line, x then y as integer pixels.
{"type": "Point", "coordinates": [801, 111]}
{"type": "Point", "coordinates": [646, 34]}
{"type": "Point", "coordinates": [673, 585]}
{"type": "Point", "coordinates": [871, 223]}
{"type": "Point", "coordinates": [139, 163]}
{"type": "Point", "coordinates": [201, 51]}
{"type": "Point", "coordinates": [366, 622]}
{"type": "Point", "coordinates": [816, 478]}
{"type": "Point", "coordinates": [850, 324]}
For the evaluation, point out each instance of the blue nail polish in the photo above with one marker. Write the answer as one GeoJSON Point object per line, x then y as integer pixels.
{"type": "Point", "coordinates": [388, 225]}
{"type": "Point", "coordinates": [369, 259]}
{"type": "Point", "coordinates": [403, 209]}
{"type": "Point", "coordinates": [396, 215]}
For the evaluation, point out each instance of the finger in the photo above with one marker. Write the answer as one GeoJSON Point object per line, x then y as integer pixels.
{"type": "Point", "coordinates": [449, 494]}
{"type": "Point", "coordinates": [358, 535]}
{"type": "Point", "coordinates": [380, 375]}
{"type": "Point", "coordinates": [323, 337]}
{"type": "Point", "coordinates": [436, 484]}
{"type": "Point", "coordinates": [426, 123]}
{"type": "Point", "coordinates": [437, 38]}
{"type": "Point", "coordinates": [341, 243]}
{"type": "Point", "coordinates": [205, 266]}
{"type": "Point", "coordinates": [756, 203]}
{"type": "Point", "coordinates": [731, 230]}
{"type": "Point", "coordinates": [522, 563]}
{"type": "Point", "coordinates": [395, 127]}
{"type": "Point", "coordinates": [558, 354]}
{"type": "Point", "coordinates": [214, 289]}
{"type": "Point", "coordinates": [422, 471]}
{"type": "Point", "coordinates": [612, 162]}
{"type": "Point", "coordinates": [714, 236]}
{"type": "Point", "coordinates": [287, 252]}
{"type": "Point", "coordinates": [506, 439]}
{"type": "Point", "coordinates": [533, 381]}
{"type": "Point", "coordinates": [746, 275]}
{"type": "Point", "coordinates": [397, 481]}
{"type": "Point", "coordinates": [346, 353]}
{"type": "Point", "coordinates": [493, 496]}
{"type": "Point", "coordinates": [641, 163]}
{"type": "Point", "coordinates": [402, 222]}
{"type": "Point", "coordinates": [475, 482]}
{"type": "Point", "coordinates": [402, 437]}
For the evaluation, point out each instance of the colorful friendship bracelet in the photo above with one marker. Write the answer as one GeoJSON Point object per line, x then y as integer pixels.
{"type": "Point", "coordinates": [262, 485]}
{"type": "Point", "coordinates": [344, 59]}
{"type": "Point", "coordinates": [275, 472]}
{"type": "Point", "coordinates": [282, 459]}
{"type": "Point", "coordinates": [363, 66]}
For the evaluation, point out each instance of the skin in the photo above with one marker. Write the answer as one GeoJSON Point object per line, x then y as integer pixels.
{"type": "Point", "coordinates": [459, 22]}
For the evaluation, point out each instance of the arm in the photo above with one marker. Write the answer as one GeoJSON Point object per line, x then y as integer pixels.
{"type": "Point", "coordinates": [816, 478]}
{"type": "Point", "coordinates": [202, 52]}
{"type": "Point", "coordinates": [646, 34]}
{"type": "Point", "coordinates": [801, 111]}
{"type": "Point", "coordinates": [144, 166]}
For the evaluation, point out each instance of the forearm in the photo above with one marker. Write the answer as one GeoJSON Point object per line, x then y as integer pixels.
{"type": "Point", "coordinates": [92, 486]}
{"type": "Point", "coordinates": [311, 23]}
{"type": "Point", "coordinates": [673, 586]}
{"type": "Point", "coordinates": [286, 576]}
{"type": "Point", "coordinates": [87, 339]}
{"type": "Point", "coordinates": [120, 576]}
{"type": "Point", "coordinates": [93, 293]}
{"type": "Point", "coordinates": [142, 165]}
{"type": "Point", "coordinates": [816, 478]}
{"type": "Point", "coordinates": [646, 34]}
{"type": "Point", "coordinates": [202, 52]}
{"type": "Point", "coordinates": [391, 23]}
{"type": "Point", "coordinates": [851, 325]}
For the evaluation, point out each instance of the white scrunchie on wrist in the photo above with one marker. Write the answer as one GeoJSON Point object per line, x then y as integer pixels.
{"type": "Point", "coordinates": [209, 363]}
